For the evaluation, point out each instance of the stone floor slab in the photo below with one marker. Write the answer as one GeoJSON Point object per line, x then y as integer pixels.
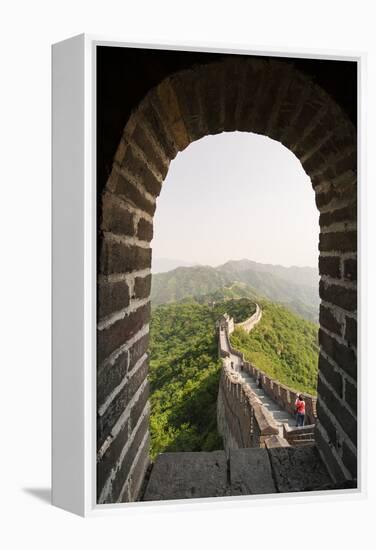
{"type": "Point", "coordinates": [250, 472]}
{"type": "Point", "coordinates": [298, 469]}
{"type": "Point", "coordinates": [188, 475]}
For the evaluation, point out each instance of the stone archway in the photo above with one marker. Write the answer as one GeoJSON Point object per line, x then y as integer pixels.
{"type": "Point", "coordinates": [238, 93]}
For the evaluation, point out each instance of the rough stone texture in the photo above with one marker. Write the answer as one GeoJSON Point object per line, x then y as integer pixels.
{"type": "Point", "coordinates": [138, 167]}
{"type": "Point", "coordinates": [188, 475]}
{"type": "Point", "coordinates": [144, 230]}
{"type": "Point", "coordinates": [246, 472]}
{"type": "Point", "coordinates": [346, 419]}
{"type": "Point", "coordinates": [329, 321]}
{"type": "Point", "coordinates": [346, 298]}
{"type": "Point", "coordinates": [112, 296]}
{"type": "Point", "coordinates": [343, 356]}
{"type": "Point", "coordinates": [142, 287]}
{"type": "Point", "coordinates": [116, 218]}
{"type": "Point", "coordinates": [298, 469]}
{"type": "Point", "coordinates": [350, 269]}
{"type": "Point", "coordinates": [110, 375]}
{"type": "Point", "coordinates": [351, 396]}
{"type": "Point", "coordinates": [348, 213]}
{"type": "Point", "coordinates": [111, 338]}
{"type": "Point", "coordinates": [118, 257]}
{"type": "Point", "coordinates": [250, 472]}
{"type": "Point", "coordinates": [275, 441]}
{"type": "Point", "coordinates": [329, 265]}
{"type": "Point", "coordinates": [351, 331]}
{"type": "Point", "coordinates": [332, 375]}
{"type": "Point", "coordinates": [343, 241]}
{"type": "Point", "coordinates": [128, 191]}
{"type": "Point", "coordinates": [106, 421]}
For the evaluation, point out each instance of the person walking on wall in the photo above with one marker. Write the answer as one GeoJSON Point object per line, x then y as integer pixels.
{"type": "Point", "coordinates": [300, 410]}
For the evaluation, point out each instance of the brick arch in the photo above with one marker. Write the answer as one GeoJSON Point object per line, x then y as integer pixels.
{"type": "Point", "coordinates": [236, 94]}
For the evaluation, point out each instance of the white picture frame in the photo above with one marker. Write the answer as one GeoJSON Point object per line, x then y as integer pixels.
{"type": "Point", "coordinates": [74, 272]}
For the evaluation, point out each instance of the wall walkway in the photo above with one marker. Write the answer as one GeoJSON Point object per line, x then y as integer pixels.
{"type": "Point", "coordinates": [274, 401]}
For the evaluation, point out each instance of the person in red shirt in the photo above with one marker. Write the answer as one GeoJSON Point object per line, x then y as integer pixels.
{"type": "Point", "coordinates": [300, 410]}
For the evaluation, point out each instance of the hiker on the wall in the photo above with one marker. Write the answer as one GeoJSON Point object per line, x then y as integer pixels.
{"type": "Point", "coordinates": [300, 410]}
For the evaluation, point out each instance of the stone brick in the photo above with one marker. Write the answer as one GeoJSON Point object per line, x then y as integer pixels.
{"type": "Point", "coordinates": [351, 396]}
{"type": "Point", "coordinates": [331, 461]}
{"type": "Point", "coordinates": [298, 469]}
{"type": "Point", "coordinates": [141, 170]}
{"type": "Point", "coordinates": [323, 199]}
{"type": "Point", "coordinates": [118, 257]}
{"type": "Point", "coordinates": [139, 471]}
{"type": "Point", "coordinates": [346, 298]}
{"type": "Point", "coordinates": [128, 191]}
{"type": "Point", "coordinates": [187, 88]}
{"type": "Point", "coordinates": [141, 138]}
{"type": "Point", "coordinates": [110, 376]}
{"type": "Point", "coordinates": [111, 338]}
{"type": "Point", "coordinates": [138, 349]}
{"type": "Point", "coordinates": [160, 133]}
{"type": "Point", "coordinates": [349, 459]}
{"type": "Point", "coordinates": [326, 423]}
{"type": "Point", "coordinates": [250, 472]}
{"type": "Point", "coordinates": [345, 214]}
{"type": "Point", "coordinates": [110, 457]}
{"type": "Point", "coordinates": [351, 331]}
{"type": "Point", "coordinates": [350, 269]}
{"type": "Point", "coordinates": [112, 297]}
{"type": "Point", "coordinates": [344, 241]}
{"type": "Point", "coordinates": [106, 422]}
{"type": "Point", "coordinates": [344, 357]}
{"type": "Point", "coordinates": [124, 469]}
{"type": "Point", "coordinates": [212, 90]}
{"type": "Point", "coordinates": [115, 218]}
{"type": "Point", "coordinates": [144, 230]}
{"type": "Point", "coordinates": [142, 287]}
{"type": "Point", "coordinates": [139, 406]}
{"type": "Point", "coordinates": [170, 112]}
{"type": "Point", "coordinates": [341, 414]}
{"type": "Point", "coordinates": [333, 377]}
{"type": "Point", "coordinates": [330, 265]}
{"type": "Point", "coordinates": [328, 320]}
{"type": "Point", "coordinates": [188, 475]}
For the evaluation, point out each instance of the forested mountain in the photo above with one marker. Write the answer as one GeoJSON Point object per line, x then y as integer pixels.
{"type": "Point", "coordinates": [185, 370]}
{"type": "Point", "coordinates": [295, 287]}
{"type": "Point", "coordinates": [283, 345]}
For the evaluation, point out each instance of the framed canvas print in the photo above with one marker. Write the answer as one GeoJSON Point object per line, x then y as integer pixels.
{"type": "Point", "coordinates": [205, 299]}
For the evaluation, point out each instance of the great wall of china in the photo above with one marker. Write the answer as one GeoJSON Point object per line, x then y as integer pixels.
{"type": "Point", "coordinates": [263, 450]}
{"type": "Point", "coordinates": [247, 414]}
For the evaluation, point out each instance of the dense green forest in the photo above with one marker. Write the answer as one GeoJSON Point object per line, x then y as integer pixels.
{"type": "Point", "coordinates": [184, 377]}
{"type": "Point", "coordinates": [184, 373]}
{"type": "Point", "coordinates": [284, 346]}
{"type": "Point", "coordinates": [294, 287]}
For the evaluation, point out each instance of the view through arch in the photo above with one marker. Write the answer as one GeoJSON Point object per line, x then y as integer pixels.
{"type": "Point", "coordinates": [281, 100]}
{"type": "Point", "coordinates": [236, 225]}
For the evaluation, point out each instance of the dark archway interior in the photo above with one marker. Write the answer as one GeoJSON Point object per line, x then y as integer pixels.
{"type": "Point", "coordinates": [124, 76]}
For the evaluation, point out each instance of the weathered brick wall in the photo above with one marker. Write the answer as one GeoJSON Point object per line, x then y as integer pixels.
{"type": "Point", "coordinates": [249, 323]}
{"type": "Point", "coordinates": [241, 418]}
{"type": "Point", "coordinates": [252, 95]}
{"type": "Point", "coordinates": [282, 394]}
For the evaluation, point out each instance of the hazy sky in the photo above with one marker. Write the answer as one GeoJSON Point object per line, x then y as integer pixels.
{"type": "Point", "coordinates": [237, 195]}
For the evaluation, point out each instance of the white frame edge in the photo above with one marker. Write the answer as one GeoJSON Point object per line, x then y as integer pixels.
{"type": "Point", "coordinates": [74, 277]}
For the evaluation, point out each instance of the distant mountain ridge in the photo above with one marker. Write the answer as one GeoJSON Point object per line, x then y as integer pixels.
{"type": "Point", "coordinates": [294, 287]}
